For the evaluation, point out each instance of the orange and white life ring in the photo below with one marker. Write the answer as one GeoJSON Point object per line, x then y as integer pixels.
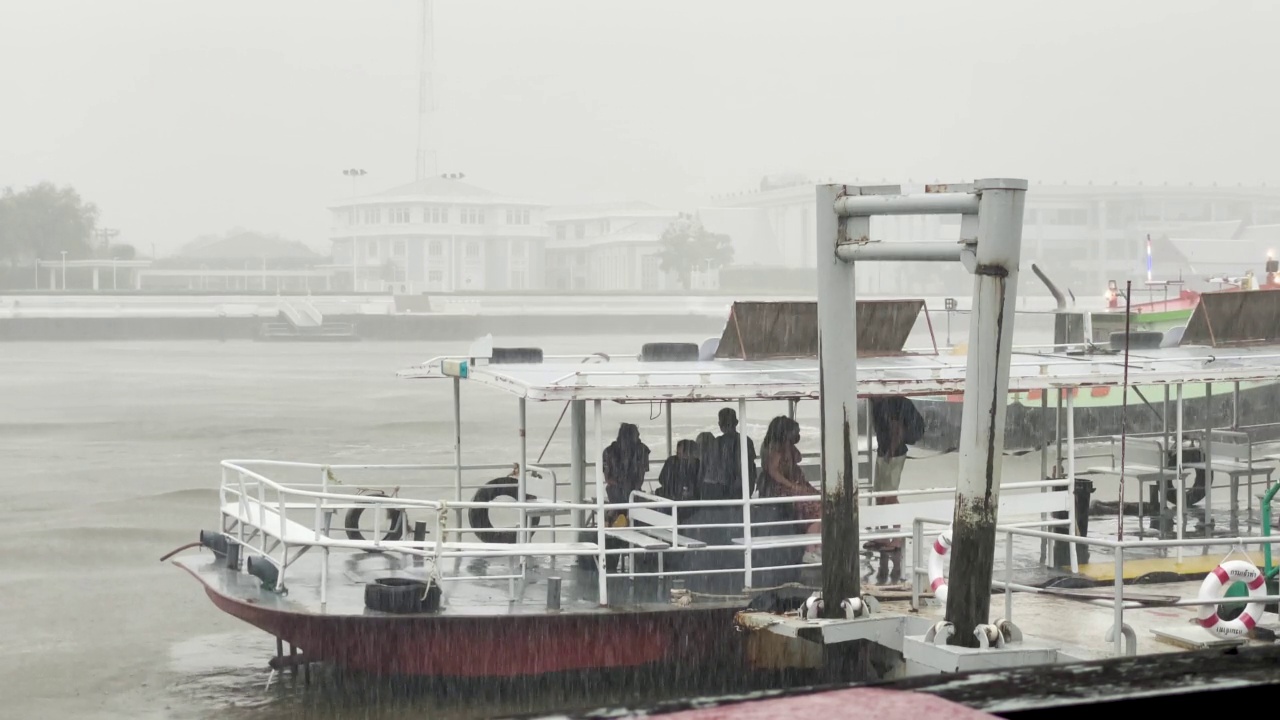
{"type": "Point", "coordinates": [937, 565]}
{"type": "Point", "coordinates": [1215, 587]}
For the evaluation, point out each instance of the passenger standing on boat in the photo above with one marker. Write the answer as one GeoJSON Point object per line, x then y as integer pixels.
{"type": "Point", "coordinates": [782, 477]}
{"type": "Point", "coordinates": [897, 424]}
{"type": "Point", "coordinates": [708, 459]}
{"type": "Point", "coordinates": [727, 483]}
{"type": "Point", "coordinates": [626, 462]}
{"type": "Point", "coordinates": [678, 479]}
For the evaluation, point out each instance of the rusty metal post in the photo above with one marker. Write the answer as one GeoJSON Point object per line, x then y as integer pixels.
{"type": "Point", "coordinates": [838, 399]}
{"type": "Point", "coordinates": [986, 397]}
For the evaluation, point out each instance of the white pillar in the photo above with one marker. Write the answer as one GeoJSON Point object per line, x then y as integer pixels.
{"type": "Point", "coordinates": [838, 398]}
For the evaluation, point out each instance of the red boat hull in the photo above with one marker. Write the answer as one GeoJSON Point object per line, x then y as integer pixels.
{"type": "Point", "coordinates": [498, 645]}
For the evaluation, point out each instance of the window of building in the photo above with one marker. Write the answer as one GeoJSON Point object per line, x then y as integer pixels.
{"type": "Point", "coordinates": [471, 216]}
{"type": "Point", "coordinates": [580, 230]}
{"type": "Point", "coordinates": [435, 249]}
{"type": "Point", "coordinates": [397, 249]}
{"type": "Point", "coordinates": [517, 250]}
{"type": "Point", "coordinates": [473, 249]}
{"type": "Point", "coordinates": [560, 232]}
{"type": "Point", "coordinates": [517, 280]}
{"type": "Point", "coordinates": [435, 214]}
{"type": "Point", "coordinates": [435, 276]}
{"type": "Point", "coordinates": [399, 215]}
{"type": "Point", "coordinates": [604, 227]}
{"type": "Point", "coordinates": [371, 249]}
{"type": "Point", "coordinates": [372, 216]}
{"type": "Point", "coordinates": [353, 216]}
{"type": "Point", "coordinates": [517, 216]}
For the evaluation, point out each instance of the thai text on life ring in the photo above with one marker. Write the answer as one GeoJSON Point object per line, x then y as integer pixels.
{"type": "Point", "coordinates": [1215, 587]}
{"type": "Point", "coordinates": [937, 562]}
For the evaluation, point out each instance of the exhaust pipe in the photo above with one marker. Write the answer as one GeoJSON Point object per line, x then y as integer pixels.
{"type": "Point", "coordinates": [1053, 289]}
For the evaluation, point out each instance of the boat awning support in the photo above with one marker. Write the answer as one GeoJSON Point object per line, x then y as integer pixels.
{"type": "Point", "coordinates": [991, 213]}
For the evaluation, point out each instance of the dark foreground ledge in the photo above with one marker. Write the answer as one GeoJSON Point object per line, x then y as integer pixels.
{"type": "Point", "coordinates": [1152, 683]}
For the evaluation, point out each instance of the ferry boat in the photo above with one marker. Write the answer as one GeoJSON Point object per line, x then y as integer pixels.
{"type": "Point", "coordinates": [720, 583]}
{"type": "Point", "coordinates": [398, 598]}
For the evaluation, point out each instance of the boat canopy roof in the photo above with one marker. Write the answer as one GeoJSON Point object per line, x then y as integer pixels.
{"type": "Point", "coordinates": [633, 380]}
{"type": "Point", "coordinates": [768, 352]}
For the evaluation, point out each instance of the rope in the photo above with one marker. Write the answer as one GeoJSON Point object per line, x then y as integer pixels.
{"type": "Point", "coordinates": [751, 591]}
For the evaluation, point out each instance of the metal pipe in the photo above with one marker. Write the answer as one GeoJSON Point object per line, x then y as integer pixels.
{"type": "Point", "coordinates": [522, 489]}
{"type": "Point", "coordinates": [851, 206]}
{"type": "Point", "coordinates": [743, 440]}
{"type": "Point", "coordinates": [995, 284]}
{"type": "Point", "coordinates": [600, 501]}
{"type": "Point", "coordinates": [457, 449]}
{"type": "Point", "coordinates": [1119, 600]}
{"type": "Point", "coordinates": [671, 448]}
{"type": "Point", "coordinates": [838, 399]}
{"type": "Point", "coordinates": [578, 457]}
{"type": "Point", "coordinates": [900, 251]}
{"type": "Point", "coordinates": [1182, 482]}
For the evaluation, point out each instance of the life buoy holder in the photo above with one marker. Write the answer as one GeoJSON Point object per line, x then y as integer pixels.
{"type": "Point", "coordinates": [938, 563]}
{"type": "Point", "coordinates": [1215, 587]}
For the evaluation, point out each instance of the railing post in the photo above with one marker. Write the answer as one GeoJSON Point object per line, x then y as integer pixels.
{"type": "Point", "coordinates": [838, 400]}
{"type": "Point", "coordinates": [457, 451]}
{"type": "Point", "coordinates": [743, 440]}
{"type": "Point", "coordinates": [995, 283]}
{"type": "Point", "coordinates": [1119, 600]}
{"type": "Point", "coordinates": [578, 458]}
{"type": "Point", "coordinates": [600, 502]}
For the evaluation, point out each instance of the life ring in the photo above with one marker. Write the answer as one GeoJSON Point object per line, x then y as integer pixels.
{"type": "Point", "coordinates": [478, 517]}
{"type": "Point", "coordinates": [1215, 587]}
{"type": "Point", "coordinates": [396, 518]}
{"type": "Point", "coordinates": [937, 560]}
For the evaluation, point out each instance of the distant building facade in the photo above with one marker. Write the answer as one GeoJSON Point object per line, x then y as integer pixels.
{"type": "Point", "coordinates": [612, 247]}
{"type": "Point", "coordinates": [1088, 233]}
{"type": "Point", "coordinates": [439, 234]}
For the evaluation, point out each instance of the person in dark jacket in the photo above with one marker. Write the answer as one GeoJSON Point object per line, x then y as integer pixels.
{"type": "Point", "coordinates": [897, 424]}
{"type": "Point", "coordinates": [626, 462]}
{"type": "Point", "coordinates": [727, 483]}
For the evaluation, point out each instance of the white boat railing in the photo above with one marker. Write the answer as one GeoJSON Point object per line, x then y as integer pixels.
{"type": "Point", "coordinates": [280, 521]}
{"type": "Point", "coordinates": [1122, 637]}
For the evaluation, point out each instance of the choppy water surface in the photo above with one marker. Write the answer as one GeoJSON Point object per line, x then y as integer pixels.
{"type": "Point", "coordinates": [111, 455]}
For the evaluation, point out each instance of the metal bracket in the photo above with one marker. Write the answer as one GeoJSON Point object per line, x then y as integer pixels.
{"type": "Point", "coordinates": [1010, 632]}
{"type": "Point", "coordinates": [862, 607]}
{"type": "Point", "coordinates": [1130, 638]}
{"type": "Point", "coordinates": [987, 634]}
{"type": "Point", "coordinates": [812, 608]}
{"type": "Point", "coordinates": [940, 633]}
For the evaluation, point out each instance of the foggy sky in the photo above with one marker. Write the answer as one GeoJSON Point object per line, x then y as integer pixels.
{"type": "Point", "coordinates": [185, 118]}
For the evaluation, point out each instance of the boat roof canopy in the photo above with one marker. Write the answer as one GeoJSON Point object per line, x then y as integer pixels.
{"type": "Point", "coordinates": [1235, 319]}
{"type": "Point", "coordinates": [768, 351]}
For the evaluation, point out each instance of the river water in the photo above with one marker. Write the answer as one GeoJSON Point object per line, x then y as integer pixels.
{"type": "Point", "coordinates": [111, 455]}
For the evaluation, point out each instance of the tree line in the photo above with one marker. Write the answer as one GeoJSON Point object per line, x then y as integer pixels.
{"type": "Point", "coordinates": [44, 220]}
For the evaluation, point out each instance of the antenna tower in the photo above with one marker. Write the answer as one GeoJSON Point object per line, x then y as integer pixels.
{"type": "Point", "coordinates": [426, 157]}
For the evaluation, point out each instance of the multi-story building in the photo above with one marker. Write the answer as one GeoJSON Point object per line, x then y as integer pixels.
{"type": "Point", "coordinates": [439, 234]}
{"type": "Point", "coordinates": [611, 247]}
{"type": "Point", "coordinates": [1084, 235]}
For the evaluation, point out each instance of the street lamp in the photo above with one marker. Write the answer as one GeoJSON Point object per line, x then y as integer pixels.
{"type": "Point", "coordinates": [354, 174]}
{"type": "Point", "coordinates": [64, 270]}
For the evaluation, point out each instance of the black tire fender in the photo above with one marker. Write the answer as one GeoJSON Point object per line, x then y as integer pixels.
{"type": "Point", "coordinates": [396, 522]}
{"type": "Point", "coordinates": [478, 518]}
{"type": "Point", "coordinates": [402, 595]}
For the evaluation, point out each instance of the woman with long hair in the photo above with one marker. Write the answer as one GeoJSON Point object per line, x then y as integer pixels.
{"type": "Point", "coordinates": [708, 460]}
{"type": "Point", "coordinates": [781, 476]}
{"type": "Point", "coordinates": [626, 461]}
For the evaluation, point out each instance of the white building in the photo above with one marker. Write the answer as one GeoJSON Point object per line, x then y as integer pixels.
{"type": "Point", "coordinates": [1083, 235]}
{"type": "Point", "coordinates": [439, 234]}
{"type": "Point", "coordinates": [611, 247]}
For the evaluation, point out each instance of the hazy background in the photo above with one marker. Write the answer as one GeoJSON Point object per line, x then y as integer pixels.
{"type": "Point", "coordinates": [183, 117]}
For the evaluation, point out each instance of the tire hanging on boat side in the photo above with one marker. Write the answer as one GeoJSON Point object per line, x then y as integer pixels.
{"type": "Point", "coordinates": [478, 518]}
{"type": "Point", "coordinates": [396, 521]}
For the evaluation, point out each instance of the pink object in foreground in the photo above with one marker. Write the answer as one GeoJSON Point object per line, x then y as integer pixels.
{"type": "Point", "coordinates": [850, 703]}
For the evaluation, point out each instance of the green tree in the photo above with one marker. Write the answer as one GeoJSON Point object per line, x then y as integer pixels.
{"type": "Point", "coordinates": [687, 247]}
{"type": "Point", "coordinates": [42, 221]}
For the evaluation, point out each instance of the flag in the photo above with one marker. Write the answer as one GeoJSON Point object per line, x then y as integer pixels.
{"type": "Point", "coordinates": [1148, 258]}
